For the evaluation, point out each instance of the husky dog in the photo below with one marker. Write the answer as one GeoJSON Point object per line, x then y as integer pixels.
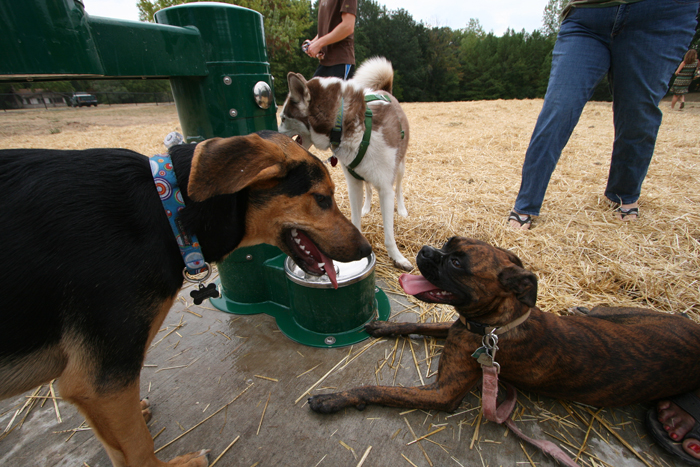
{"type": "Point", "coordinates": [365, 127]}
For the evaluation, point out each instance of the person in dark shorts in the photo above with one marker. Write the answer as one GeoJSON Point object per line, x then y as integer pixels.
{"type": "Point", "coordinates": [334, 45]}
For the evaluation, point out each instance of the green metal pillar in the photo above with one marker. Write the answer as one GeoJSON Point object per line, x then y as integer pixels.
{"type": "Point", "coordinates": [223, 102]}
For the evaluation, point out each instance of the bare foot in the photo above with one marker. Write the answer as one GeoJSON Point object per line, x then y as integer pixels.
{"type": "Point", "coordinates": [677, 423]}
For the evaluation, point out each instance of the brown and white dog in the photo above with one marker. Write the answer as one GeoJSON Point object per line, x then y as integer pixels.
{"type": "Point", "coordinates": [96, 266]}
{"type": "Point", "coordinates": [311, 111]}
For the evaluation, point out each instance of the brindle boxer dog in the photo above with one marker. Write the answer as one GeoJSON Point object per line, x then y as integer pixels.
{"type": "Point", "coordinates": [608, 357]}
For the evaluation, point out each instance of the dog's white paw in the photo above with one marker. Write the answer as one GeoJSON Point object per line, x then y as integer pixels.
{"type": "Point", "coordinates": [402, 211]}
{"type": "Point", "coordinates": [366, 209]}
{"type": "Point", "coordinates": [402, 263]}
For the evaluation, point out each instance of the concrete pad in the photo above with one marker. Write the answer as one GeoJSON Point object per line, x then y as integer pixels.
{"type": "Point", "coordinates": [204, 359]}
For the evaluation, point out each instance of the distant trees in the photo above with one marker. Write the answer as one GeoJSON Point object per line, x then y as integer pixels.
{"type": "Point", "coordinates": [551, 18]}
{"type": "Point", "coordinates": [430, 63]}
{"type": "Point", "coordinates": [441, 64]}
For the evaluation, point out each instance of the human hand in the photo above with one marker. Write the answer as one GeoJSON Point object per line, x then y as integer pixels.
{"type": "Point", "coordinates": [313, 50]}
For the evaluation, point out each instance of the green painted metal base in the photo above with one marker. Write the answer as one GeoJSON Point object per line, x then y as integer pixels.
{"type": "Point", "coordinates": [290, 328]}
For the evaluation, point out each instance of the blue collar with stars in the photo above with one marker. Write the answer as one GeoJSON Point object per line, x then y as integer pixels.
{"type": "Point", "coordinates": [173, 202]}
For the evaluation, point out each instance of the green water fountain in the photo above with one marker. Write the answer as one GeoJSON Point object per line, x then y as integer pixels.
{"type": "Point", "coordinates": [215, 56]}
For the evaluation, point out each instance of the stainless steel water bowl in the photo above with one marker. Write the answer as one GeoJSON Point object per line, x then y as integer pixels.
{"type": "Point", "coordinates": [346, 273]}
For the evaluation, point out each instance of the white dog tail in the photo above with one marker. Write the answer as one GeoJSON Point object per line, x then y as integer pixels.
{"type": "Point", "coordinates": [375, 73]}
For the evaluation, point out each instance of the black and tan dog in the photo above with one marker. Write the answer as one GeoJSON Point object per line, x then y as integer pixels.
{"type": "Point", "coordinates": [609, 357]}
{"type": "Point", "coordinates": [92, 266]}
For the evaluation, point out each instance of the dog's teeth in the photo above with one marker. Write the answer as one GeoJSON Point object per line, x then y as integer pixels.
{"type": "Point", "coordinates": [294, 232]}
{"type": "Point", "coordinates": [320, 265]}
{"type": "Point", "coordinates": [297, 240]}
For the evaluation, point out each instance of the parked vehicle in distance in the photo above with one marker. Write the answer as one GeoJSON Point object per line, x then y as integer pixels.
{"type": "Point", "coordinates": [80, 99]}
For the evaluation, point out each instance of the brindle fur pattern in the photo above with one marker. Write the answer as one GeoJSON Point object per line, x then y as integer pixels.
{"type": "Point", "coordinates": [608, 357]}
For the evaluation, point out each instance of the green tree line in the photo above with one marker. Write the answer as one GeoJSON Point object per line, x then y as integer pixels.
{"type": "Point", "coordinates": [434, 64]}
{"type": "Point", "coordinates": [431, 64]}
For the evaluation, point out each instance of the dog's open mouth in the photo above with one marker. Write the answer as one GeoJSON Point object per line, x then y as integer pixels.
{"type": "Point", "coordinates": [309, 257]}
{"type": "Point", "coordinates": [422, 289]}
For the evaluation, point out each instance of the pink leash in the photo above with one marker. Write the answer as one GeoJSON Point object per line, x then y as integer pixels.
{"type": "Point", "coordinates": [486, 356]}
{"type": "Point", "coordinates": [501, 414]}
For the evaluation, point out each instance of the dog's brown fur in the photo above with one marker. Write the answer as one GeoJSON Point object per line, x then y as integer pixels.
{"type": "Point", "coordinates": [609, 357]}
{"type": "Point", "coordinates": [89, 228]}
{"type": "Point", "coordinates": [310, 112]}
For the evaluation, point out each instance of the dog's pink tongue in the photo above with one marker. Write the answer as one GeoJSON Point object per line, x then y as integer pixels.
{"type": "Point", "coordinates": [329, 267]}
{"type": "Point", "coordinates": [413, 285]}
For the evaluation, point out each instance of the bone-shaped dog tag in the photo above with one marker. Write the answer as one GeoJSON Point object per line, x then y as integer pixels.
{"type": "Point", "coordinates": [203, 293]}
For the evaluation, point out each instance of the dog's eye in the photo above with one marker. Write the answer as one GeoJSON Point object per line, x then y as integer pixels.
{"type": "Point", "coordinates": [323, 201]}
{"type": "Point", "coordinates": [456, 263]}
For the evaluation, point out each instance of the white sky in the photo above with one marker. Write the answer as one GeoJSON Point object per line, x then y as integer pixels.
{"type": "Point", "coordinates": [494, 15]}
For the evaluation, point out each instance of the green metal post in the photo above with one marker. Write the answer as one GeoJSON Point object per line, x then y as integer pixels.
{"type": "Point", "coordinates": [222, 104]}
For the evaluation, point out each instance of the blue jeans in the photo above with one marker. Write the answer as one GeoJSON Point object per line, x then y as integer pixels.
{"type": "Point", "coordinates": [639, 45]}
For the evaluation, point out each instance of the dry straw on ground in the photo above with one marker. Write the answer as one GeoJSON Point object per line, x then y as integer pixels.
{"type": "Point", "coordinates": [462, 176]}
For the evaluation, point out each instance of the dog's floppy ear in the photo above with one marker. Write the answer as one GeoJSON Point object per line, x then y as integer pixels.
{"type": "Point", "coordinates": [298, 91]}
{"type": "Point", "coordinates": [227, 165]}
{"type": "Point", "coordinates": [521, 282]}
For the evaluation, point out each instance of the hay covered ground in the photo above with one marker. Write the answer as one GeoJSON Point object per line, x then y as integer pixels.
{"type": "Point", "coordinates": [462, 176]}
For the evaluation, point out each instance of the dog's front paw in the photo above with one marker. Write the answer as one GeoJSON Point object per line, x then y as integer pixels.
{"type": "Point", "coordinates": [330, 403]}
{"type": "Point", "coordinates": [402, 263]}
{"type": "Point", "coordinates": [379, 328]}
{"type": "Point", "coordinates": [146, 409]}
{"type": "Point", "coordinates": [578, 310]}
{"type": "Point", "coordinates": [366, 210]}
{"type": "Point", "coordinates": [193, 459]}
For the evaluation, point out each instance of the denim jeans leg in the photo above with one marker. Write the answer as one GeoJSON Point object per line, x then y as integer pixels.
{"type": "Point", "coordinates": [648, 44]}
{"type": "Point", "coordinates": [579, 61]}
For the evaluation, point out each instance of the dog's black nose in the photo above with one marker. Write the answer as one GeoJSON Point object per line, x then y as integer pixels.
{"type": "Point", "coordinates": [428, 253]}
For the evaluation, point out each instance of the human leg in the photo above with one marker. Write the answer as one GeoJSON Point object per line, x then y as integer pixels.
{"type": "Point", "coordinates": [674, 99]}
{"type": "Point", "coordinates": [648, 41]}
{"type": "Point", "coordinates": [580, 59]}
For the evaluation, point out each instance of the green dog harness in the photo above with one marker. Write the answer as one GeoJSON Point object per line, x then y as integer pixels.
{"type": "Point", "coordinates": [337, 130]}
